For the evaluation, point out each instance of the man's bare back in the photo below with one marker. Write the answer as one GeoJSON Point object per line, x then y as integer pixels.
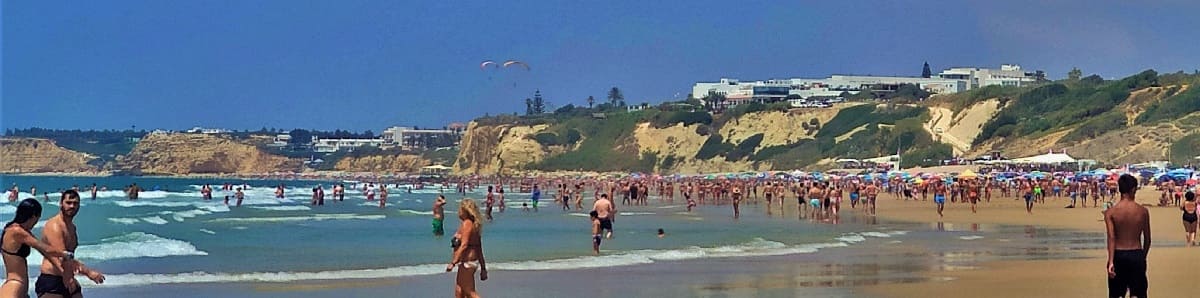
{"type": "Point", "coordinates": [1127, 222]}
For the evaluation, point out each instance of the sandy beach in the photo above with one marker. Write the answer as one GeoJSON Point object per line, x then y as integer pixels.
{"type": "Point", "coordinates": [1080, 277]}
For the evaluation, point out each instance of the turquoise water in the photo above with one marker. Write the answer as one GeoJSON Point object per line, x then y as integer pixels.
{"type": "Point", "coordinates": [172, 236]}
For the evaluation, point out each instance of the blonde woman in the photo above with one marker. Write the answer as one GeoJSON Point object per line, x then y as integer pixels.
{"type": "Point", "coordinates": [468, 250]}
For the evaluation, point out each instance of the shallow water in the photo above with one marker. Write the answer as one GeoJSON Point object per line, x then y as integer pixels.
{"type": "Point", "coordinates": [171, 239]}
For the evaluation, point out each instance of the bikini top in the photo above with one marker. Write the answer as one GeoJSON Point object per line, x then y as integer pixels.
{"type": "Point", "coordinates": [22, 252]}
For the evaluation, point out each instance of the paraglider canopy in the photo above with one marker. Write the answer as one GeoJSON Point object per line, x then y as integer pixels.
{"type": "Point", "coordinates": [516, 63]}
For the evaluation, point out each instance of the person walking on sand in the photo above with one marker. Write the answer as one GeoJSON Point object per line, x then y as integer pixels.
{"type": "Point", "coordinates": [939, 196]}
{"type": "Point", "coordinates": [1128, 227]}
{"type": "Point", "coordinates": [1027, 193]}
{"type": "Point", "coordinates": [1189, 217]}
{"type": "Point", "coordinates": [468, 251]}
{"type": "Point", "coordinates": [737, 200]}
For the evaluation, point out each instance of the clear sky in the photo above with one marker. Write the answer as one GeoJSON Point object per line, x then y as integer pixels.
{"type": "Point", "coordinates": [371, 64]}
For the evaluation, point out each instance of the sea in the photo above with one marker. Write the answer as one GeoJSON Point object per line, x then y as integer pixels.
{"type": "Point", "coordinates": [171, 239]}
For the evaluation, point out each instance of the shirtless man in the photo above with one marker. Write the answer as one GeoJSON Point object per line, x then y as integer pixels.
{"type": "Point", "coordinates": [1027, 193]}
{"type": "Point", "coordinates": [607, 214]}
{"type": "Point", "coordinates": [737, 200]}
{"type": "Point", "coordinates": [1128, 227]}
{"type": "Point", "coordinates": [939, 196]}
{"type": "Point", "coordinates": [93, 191]}
{"type": "Point", "coordinates": [133, 191]}
{"type": "Point", "coordinates": [58, 274]}
{"type": "Point", "coordinates": [438, 215]}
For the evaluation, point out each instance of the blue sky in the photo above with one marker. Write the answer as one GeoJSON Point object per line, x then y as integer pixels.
{"type": "Point", "coordinates": [371, 64]}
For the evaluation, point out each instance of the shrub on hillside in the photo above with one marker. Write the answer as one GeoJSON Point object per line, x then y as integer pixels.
{"type": "Point", "coordinates": [714, 146]}
{"type": "Point", "coordinates": [1096, 126]}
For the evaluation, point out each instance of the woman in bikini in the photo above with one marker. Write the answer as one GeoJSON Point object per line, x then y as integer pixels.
{"type": "Point", "coordinates": [16, 242]}
{"type": "Point", "coordinates": [468, 250]}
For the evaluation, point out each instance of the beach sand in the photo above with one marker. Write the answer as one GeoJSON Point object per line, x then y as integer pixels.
{"type": "Point", "coordinates": [1082, 277]}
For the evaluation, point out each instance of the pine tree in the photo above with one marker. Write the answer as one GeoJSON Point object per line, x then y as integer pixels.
{"type": "Point", "coordinates": [1074, 74]}
{"type": "Point", "coordinates": [528, 106]}
{"type": "Point", "coordinates": [925, 72]}
{"type": "Point", "coordinates": [539, 104]}
{"type": "Point", "coordinates": [590, 101]}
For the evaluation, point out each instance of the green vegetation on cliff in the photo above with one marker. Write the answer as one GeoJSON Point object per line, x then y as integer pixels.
{"type": "Point", "coordinates": [1058, 105]}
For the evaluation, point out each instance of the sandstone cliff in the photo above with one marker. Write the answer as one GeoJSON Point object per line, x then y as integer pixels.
{"type": "Point", "coordinates": [486, 149]}
{"type": "Point", "coordinates": [22, 155]}
{"type": "Point", "coordinates": [199, 153]}
{"type": "Point", "coordinates": [401, 163]}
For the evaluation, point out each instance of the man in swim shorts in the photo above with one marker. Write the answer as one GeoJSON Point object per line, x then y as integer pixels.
{"type": "Point", "coordinates": [939, 196]}
{"type": "Point", "coordinates": [439, 206]}
{"type": "Point", "coordinates": [1128, 229]}
{"type": "Point", "coordinates": [537, 195]}
{"type": "Point", "coordinates": [605, 211]}
{"type": "Point", "coordinates": [596, 237]}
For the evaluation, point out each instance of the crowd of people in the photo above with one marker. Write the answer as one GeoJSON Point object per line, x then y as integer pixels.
{"type": "Point", "coordinates": [821, 199]}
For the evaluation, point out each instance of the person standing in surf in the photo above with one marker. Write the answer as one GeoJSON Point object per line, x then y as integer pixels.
{"type": "Point", "coordinates": [17, 239]}
{"type": "Point", "coordinates": [239, 194]}
{"type": "Point", "coordinates": [93, 191]}
{"type": "Point", "coordinates": [57, 277]}
{"type": "Point", "coordinates": [468, 251]}
{"type": "Point", "coordinates": [491, 199]}
{"type": "Point", "coordinates": [383, 193]}
{"type": "Point", "coordinates": [438, 215]}
{"type": "Point", "coordinates": [134, 190]}
{"type": "Point", "coordinates": [607, 213]}
{"type": "Point", "coordinates": [535, 197]}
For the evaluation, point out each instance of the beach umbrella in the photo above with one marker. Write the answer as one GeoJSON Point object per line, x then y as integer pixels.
{"type": "Point", "coordinates": [968, 174]}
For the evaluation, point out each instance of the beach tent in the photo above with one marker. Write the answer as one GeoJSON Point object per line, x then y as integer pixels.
{"type": "Point", "coordinates": [1051, 158]}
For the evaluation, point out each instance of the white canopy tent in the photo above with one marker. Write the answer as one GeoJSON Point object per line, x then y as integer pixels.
{"type": "Point", "coordinates": [1050, 158]}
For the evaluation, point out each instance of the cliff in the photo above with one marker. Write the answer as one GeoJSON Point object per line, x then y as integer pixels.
{"type": "Point", "coordinates": [198, 153]}
{"type": "Point", "coordinates": [1140, 118]}
{"type": "Point", "coordinates": [486, 149]}
{"type": "Point", "coordinates": [22, 155]}
{"type": "Point", "coordinates": [401, 163]}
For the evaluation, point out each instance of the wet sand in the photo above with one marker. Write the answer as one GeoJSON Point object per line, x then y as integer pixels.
{"type": "Point", "coordinates": [1074, 277]}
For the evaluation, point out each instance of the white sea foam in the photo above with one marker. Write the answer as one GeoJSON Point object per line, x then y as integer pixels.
{"type": "Point", "coordinates": [123, 220]}
{"type": "Point", "coordinates": [155, 220]}
{"type": "Point", "coordinates": [283, 208]}
{"type": "Point", "coordinates": [140, 203]}
{"type": "Point", "coordinates": [8, 209]}
{"type": "Point", "coordinates": [207, 231]}
{"type": "Point", "coordinates": [852, 238]}
{"type": "Point", "coordinates": [756, 247]}
{"type": "Point", "coordinates": [315, 217]}
{"type": "Point", "coordinates": [415, 212]}
{"type": "Point", "coordinates": [971, 237]}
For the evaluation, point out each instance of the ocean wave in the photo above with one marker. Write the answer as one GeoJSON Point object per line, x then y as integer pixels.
{"type": "Point", "coordinates": [155, 220]}
{"type": "Point", "coordinates": [415, 212]}
{"type": "Point", "coordinates": [315, 217]}
{"type": "Point", "coordinates": [971, 237]}
{"type": "Point", "coordinates": [283, 208]}
{"type": "Point", "coordinates": [756, 247]}
{"type": "Point", "coordinates": [128, 204]}
{"type": "Point", "coordinates": [8, 209]}
{"type": "Point", "coordinates": [123, 220]}
{"type": "Point", "coordinates": [129, 246]}
{"type": "Point", "coordinates": [207, 231]}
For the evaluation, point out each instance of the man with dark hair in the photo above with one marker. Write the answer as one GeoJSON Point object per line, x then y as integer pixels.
{"type": "Point", "coordinates": [58, 274]}
{"type": "Point", "coordinates": [1128, 227]}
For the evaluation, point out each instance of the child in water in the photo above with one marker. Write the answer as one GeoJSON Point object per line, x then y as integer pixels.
{"type": "Point", "coordinates": [595, 232]}
{"type": "Point", "coordinates": [661, 233]}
